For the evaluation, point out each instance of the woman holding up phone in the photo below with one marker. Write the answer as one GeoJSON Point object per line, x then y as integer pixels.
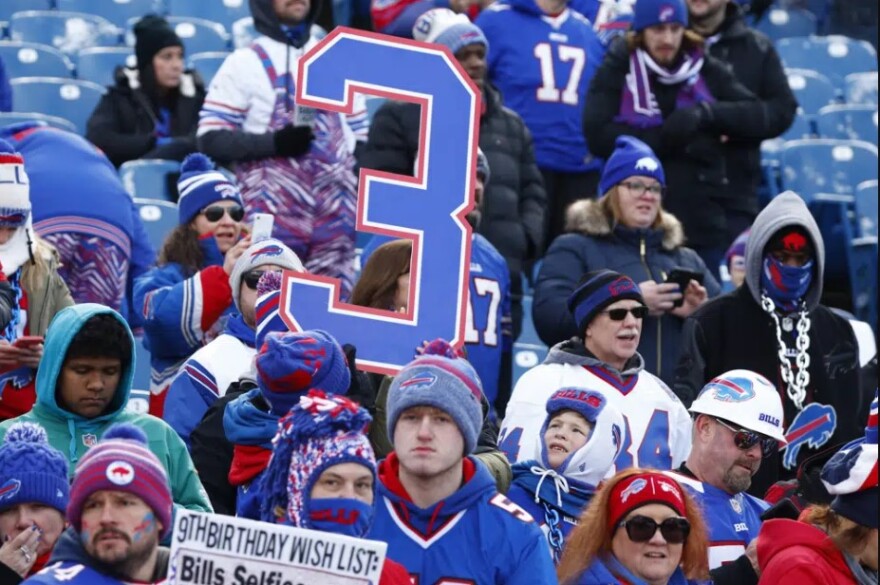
{"type": "Point", "coordinates": [627, 230]}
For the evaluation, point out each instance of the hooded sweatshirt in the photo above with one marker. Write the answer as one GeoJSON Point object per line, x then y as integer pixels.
{"type": "Point", "coordinates": [73, 434]}
{"type": "Point", "coordinates": [733, 331]}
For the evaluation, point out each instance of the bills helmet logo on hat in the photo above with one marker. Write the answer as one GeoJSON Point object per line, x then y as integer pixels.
{"type": "Point", "coordinates": [812, 427]}
{"type": "Point", "coordinates": [667, 13]}
{"type": "Point", "coordinates": [420, 380]}
{"type": "Point", "coordinates": [226, 190]}
{"type": "Point", "coordinates": [9, 489]}
{"type": "Point", "coordinates": [670, 488]}
{"type": "Point", "coordinates": [120, 473]}
{"type": "Point", "coordinates": [270, 250]}
{"type": "Point", "coordinates": [731, 389]}
{"type": "Point", "coordinates": [647, 164]}
{"type": "Point", "coordinates": [622, 285]}
{"type": "Point", "coordinates": [633, 488]}
{"type": "Point", "coordinates": [794, 241]}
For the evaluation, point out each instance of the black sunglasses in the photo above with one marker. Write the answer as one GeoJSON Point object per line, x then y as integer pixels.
{"type": "Point", "coordinates": [745, 439]}
{"type": "Point", "coordinates": [215, 212]}
{"type": "Point", "coordinates": [252, 278]}
{"type": "Point", "coordinates": [620, 314]}
{"type": "Point", "coordinates": [643, 529]}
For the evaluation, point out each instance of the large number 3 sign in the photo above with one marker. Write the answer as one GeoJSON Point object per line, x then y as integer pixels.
{"type": "Point", "coordinates": [428, 209]}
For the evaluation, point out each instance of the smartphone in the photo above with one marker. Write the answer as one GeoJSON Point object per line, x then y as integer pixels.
{"type": "Point", "coordinates": [304, 116]}
{"type": "Point", "coordinates": [262, 228]}
{"type": "Point", "coordinates": [681, 277]}
{"type": "Point", "coordinates": [28, 341]}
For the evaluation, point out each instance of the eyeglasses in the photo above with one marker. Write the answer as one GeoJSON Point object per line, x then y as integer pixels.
{"type": "Point", "coordinates": [745, 439]}
{"type": "Point", "coordinates": [252, 278]}
{"type": "Point", "coordinates": [215, 212]}
{"type": "Point", "coordinates": [643, 529]}
{"type": "Point", "coordinates": [620, 314]}
{"type": "Point", "coordinates": [638, 188]}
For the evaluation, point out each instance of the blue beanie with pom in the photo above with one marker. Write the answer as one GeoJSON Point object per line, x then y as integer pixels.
{"type": "Point", "coordinates": [201, 184]}
{"type": "Point", "coordinates": [31, 470]}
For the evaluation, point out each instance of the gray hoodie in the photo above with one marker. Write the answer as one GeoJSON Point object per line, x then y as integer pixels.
{"type": "Point", "coordinates": [788, 209]}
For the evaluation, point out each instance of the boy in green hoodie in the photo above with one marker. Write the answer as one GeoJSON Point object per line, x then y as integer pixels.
{"type": "Point", "coordinates": [83, 385]}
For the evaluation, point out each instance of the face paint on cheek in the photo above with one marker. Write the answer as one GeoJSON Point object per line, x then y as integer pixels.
{"type": "Point", "coordinates": [147, 526]}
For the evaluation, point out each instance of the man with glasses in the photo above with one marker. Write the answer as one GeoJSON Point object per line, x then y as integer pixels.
{"type": "Point", "coordinates": [206, 375]}
{"type": "Point", "coordinates": [609, 310]}
{"type": "Point", "coordinates": [738, 422]}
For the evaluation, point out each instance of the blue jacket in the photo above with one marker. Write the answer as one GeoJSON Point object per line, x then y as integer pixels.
{"type": "Point", "coordinates": [600, 573]}
{"type": "Point", "coordinates": [475, 536]}
{"type": "Point", "coordinates": [592, 244]}
{"type": "Point", "coordinates": [5, 90]}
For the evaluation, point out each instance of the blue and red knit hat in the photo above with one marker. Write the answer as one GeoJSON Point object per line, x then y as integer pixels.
{"type": "Point", "coordinates": [31, 470]}
{"type": "Point", "coordinates": [122, 461]}
{"type": "Point", "coordinates": [653, 12]}
{"type": "Point", "coordinates": [201, 184]}
{"type": "Point", "coordinates": [292, 363]}
{"type": "Point", "coordinates": [597, 290]}
{"type": "Point", "coordinates": [851, 476]}
{"type": "Point", "coordinates": [320, 431]}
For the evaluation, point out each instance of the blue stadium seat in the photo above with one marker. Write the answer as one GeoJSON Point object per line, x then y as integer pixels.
{"type": "Point", "coordinates": [198, 35]}
{"type": "Point", "coordinates": [141, 382]}
{"type": "Point", "coordinates": [866, 208]}
{"type": "Point", "coordinates": [800, 128]}
{"type": "Point", "coordinates": [22, 59]}
{"type": "Point", "coordinates": [810, 167]}
{"type": "Point", "coordinates": [207, 64]}
{"type": "Point", "coordinates": [72, 99]}
{"type": "Point", "coordinates": [861, 88]}
{"type": "Point", "coordinates": [7, 118]}
{"type": "Point", "coordinates": [848, 122]}
{"type": "Point", "coordinates": [116, 11]}
{"type": "Point", "coordinates": [781, 23]}
{"type": "Point", "coordinates": [833, 56]}
{"type": "Point", "coordinates": [147, 178]}
{"type": "Point", "coordinates": [225, 12]}
{"type": "Point", "coordinates": [813, 90]}
{"type": "Point", "coordinates": [159, 218]}
{"type": "Point", "coordinates": [98, 64]}
{"type": "Point", "coordinates": [69, 32]}
{"type": "Point", "coordinates": [525, 357]}
{"type": "Point", "coordinates": [10, 7]}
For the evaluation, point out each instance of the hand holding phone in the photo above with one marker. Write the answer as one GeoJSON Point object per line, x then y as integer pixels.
{"type": "Point", "coordinates": [28, 341]}
{"type": "Point", "coordinates": [262, 228]}
{"type": "Point", "coordinates": [682, 277]}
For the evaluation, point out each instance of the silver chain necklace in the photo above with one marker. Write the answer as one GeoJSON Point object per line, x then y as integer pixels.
{"type": "Point", "coordinates": [796, 384]}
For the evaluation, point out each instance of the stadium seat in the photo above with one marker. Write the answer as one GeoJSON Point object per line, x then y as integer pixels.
{"type": "Point", "coordinates": [140, 394]}
{"type": "Point", "coordinates": [116, 11]}
{"type": "Point", "coordinates": [781, 23]}
{"type": "Point", "coordinates": [72, 99]}
{"type": "Point", "coordinates": [98, 64]}
{"type": "Point", "coordinates": [810, 167]}
{"type": "Point", "coordinates": [866, 208]}
{"type": "Point", "coordinates": [69, 32]}
{"type": "Point", "coordinates": [198, 35]}
{"type": "Point", "coordinates": [207, 64]}
{"type": "Point", "coordinates": [848, 122]}
{"type": "Point", "coordinates": [22, 59]}
{"type": "Point", "coordinates": [833, 56]}
{"type": "Point", "coordinates": [861, 88]}
{"type": "Point", "coordinates": [813, 90]}
{"type": "Point", "coordinates": [159, 218]}
{"type": "Point", "coordinates": [147, 178]}
{"type": "Point", "coordinates": [10, 7]}
{"type": "Point", "coordinates": [525, 357]}
{"type": "Point", "coordinates": [7, 118]}
{"type": "Point", "coordinates": [224, 12]}
{"type": "Point", "coordinates": [800, 128]}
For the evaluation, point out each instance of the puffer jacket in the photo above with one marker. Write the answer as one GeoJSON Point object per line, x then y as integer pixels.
{"type": "Point", "coordinates": [593, 243]}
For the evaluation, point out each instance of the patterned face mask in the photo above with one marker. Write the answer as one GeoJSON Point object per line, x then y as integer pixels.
{"type": "Point", "coordinates": [786, 285]}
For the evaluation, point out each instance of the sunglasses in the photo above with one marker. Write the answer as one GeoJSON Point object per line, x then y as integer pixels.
{"type": "Point", "coordinates": [643, 529]}
{"type": "Point", "coordinates": [745, 439]}
{"type": "Point", "coordinates": [215, 212]}
{"type": "Point", "coordinates": [252, 278]}
{"type": "Point", "coordinates": [620, 314]}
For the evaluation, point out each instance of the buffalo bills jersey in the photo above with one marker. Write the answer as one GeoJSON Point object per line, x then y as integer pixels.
{"type": "Point", "coordinates": [543, 66]}
{"type": "Point", "coordinates": [68, 573]}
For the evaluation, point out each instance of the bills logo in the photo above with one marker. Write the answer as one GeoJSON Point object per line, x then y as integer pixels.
{"type": "Point", "coordinates": [9, 489]}
{"type": "Point", "coordinates": [647, 164]}
{"type": "Point", "coordinates": [419, 381]}
{"type": "Point", "coordinates": [667, 487]}
{"type": "Point", "coordinates": [794, 241]}
{"type": "Point", "coordinates": [271, 250]}
{"type": "Point", "coordinates": [633, 488]}
{"type": "Point", "coordinates": [620, 286]}
{"type": "Point", "coordinates": [120, 473]}
{"type": "Point", "coordinates": [731, 389]}
{"type": "Point", "coordinates": [226, 190]}
{"type": "Point", "coordinates": [667, 13]}
{"type": "Point", "coordinates": [812, 428]}
{"type": "Point", "coordinates": [343, 517]}
{"type": "Point", "coordinates": [18, 378]}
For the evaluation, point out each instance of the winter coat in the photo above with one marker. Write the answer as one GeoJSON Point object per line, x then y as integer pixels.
{"type": "Point", "coordinates": [695, 173]}
{"type": "Point", "coordinates": [795, 553]}
{"type": "Point", "coordinates": [593, 242]}
{"type": "Point", "coordinates": [124, 122]}
{"type": "Point", "coordinates": [73, 434]}
{"type": "Point", "coordinates": [514, 202]}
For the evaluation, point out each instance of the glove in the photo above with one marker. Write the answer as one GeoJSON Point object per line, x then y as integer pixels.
{"type": "Point", "coordinates": [682, 125]}
{"type": "Point", "coordinates": [293, 140]}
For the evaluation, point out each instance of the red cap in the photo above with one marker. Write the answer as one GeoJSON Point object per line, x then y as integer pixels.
{"type": "Point", "coordinates": [643, 489]}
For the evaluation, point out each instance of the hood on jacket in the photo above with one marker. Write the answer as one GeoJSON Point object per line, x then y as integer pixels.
{"type": "Point", "coordinates": [586, 217]}
{"type": "Point", "coordinates": [780, 535]}
{"type": "Point", "coordinates": [246, 423]}
{"type": "Point", "coordinates": [129, 78]}
{"type": "Point", "coordinates": [267, 23]}
{"type": "Point", "coordinates": [786, 210]}
{"type": "Point", "coordinates": [61, 332]}
{"type": "Point", "coordinates": [574, 353]}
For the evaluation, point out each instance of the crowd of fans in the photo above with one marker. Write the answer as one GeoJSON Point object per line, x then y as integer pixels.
{"type": "Point", "coordinates": [673, 435]}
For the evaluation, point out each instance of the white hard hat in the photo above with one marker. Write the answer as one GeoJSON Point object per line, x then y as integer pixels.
{"type": "Point", "coordinates": [746, 399]}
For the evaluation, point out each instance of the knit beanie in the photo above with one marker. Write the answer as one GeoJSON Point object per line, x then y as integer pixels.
{"type": "Point", "coordinates": [31, 470]}
{"type": "Point", "coordinates": [631, 158]}
{"type": "Point", "coordinates": [440, 378]}
{"type": "Point", "coordinates": [152, 33]}
{"type": "Point", "coordinates": [292, 363]}
{"type": "Point", "coordinates": [851, 476]}
{"type": "Point", "coordinates": [199, 185]}
{"type": "Point", "coordinates": [791, 238]}
{"type": "Point", "coordinates": [445, 27]}
{"type": "Point", "coordinates": [648, 487]}
{"type": "Point", "coordinates": [121, 461]}
{"type": "Point", "coordinates": [15, 200]}
{"type": "Point", "coordinates": [652, 12]}
{"type": "Point", "coordinates": [597, 290]}
{"type": "Point", "coordinates": [320, 431]}
{"type": "Point", "coordinates": [269, 251]}
{"type": "Point", "coordinates": [737, 249]}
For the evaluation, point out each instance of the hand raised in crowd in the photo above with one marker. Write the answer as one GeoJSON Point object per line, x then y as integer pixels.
{"type": "Point", "coordinates": [235, 253]}
{"type": "Point", "coordinates": [660, 297]}
{"type": "Point", "coordinates": [31, 355]}
{"type": "Point", "coordinates": [12, 356]}
{"type": "Point", "coordinates": [694, 295]}
{"type": "Point", "coordinates": [19, 553]}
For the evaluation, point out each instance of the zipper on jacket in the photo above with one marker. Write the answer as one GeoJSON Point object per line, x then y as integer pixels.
{"type": "Point", "coordinates": [643, 253]}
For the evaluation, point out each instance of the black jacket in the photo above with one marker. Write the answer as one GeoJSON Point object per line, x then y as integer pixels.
{"type": "Point", "coordinates": [123, 122]}
{"type": "Point", "coordinates": [514, 201]}
{"type": "Point", "coordinates": [756, 66]}
{"type": "Point", "coordinates": [696, 170]}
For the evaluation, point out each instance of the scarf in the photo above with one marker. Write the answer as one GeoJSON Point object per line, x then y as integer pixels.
{"type": "Point", "coordinates": [18, 250]}
{"type": "Point", "coordinates": [786, 285]}
{"type": "Point", "coordinates": [638, 105]}
{"type": "Point", "coordinates": [567, 495]}
{"type": "Point", "coordinates": [11, 331]}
